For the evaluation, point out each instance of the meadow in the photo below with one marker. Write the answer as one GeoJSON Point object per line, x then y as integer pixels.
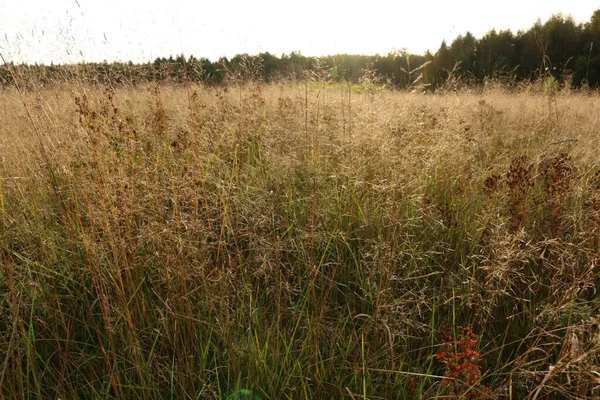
{"type": "Point", "coordinates": [300, 240]}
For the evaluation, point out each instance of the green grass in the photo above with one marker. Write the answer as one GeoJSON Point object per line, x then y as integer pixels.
{"type": "Point", "coordinates": [299, 241]}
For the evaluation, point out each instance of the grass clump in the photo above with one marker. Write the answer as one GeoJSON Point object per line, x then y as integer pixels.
{"type": "Point", "coordinates": [297, 241]}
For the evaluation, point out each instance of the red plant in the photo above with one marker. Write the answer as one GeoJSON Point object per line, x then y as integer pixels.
{"type": "Point", "coordinates": [462, 373]}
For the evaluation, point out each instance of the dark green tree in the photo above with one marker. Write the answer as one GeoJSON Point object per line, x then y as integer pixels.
{"type": "Point", "coordinates": [587, 65]}
{"type": "Point", "coordinates": [464, 52]}
{"type": "Point", "coordinates": [443, 62]}
{"type": "Point", "coordinates": [562, 39]}
{"type": "Point", "coordinates": [497, 54]}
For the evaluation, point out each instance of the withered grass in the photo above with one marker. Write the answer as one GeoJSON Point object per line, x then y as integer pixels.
{"type": "Point", "coordinates": [301, 240]}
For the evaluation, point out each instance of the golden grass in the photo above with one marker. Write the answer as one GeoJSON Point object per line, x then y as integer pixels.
{"type": "Point", "coordinates": [301, 240]}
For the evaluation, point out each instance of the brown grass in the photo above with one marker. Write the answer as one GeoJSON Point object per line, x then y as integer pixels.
{"type": "Point", "coordinates": [302, 240]}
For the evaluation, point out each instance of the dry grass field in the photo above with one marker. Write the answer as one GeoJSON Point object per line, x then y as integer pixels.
{"type": "Point", "coordinates": [298, 241]}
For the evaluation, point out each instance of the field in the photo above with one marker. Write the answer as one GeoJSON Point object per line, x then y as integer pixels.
{"type": "Point", "coordinates": [298, 241]}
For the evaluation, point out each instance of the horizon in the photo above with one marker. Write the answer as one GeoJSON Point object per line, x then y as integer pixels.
{"type": "Point", "coordinates": [80, 31]}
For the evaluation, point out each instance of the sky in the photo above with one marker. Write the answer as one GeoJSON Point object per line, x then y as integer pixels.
{"type": "Point", "coordinates": [67, 31]}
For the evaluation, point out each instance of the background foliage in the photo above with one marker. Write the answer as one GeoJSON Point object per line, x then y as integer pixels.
{"type": "Point", "coordinates": [568, 51]}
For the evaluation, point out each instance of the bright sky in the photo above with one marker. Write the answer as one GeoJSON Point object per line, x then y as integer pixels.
{"type": "Point", "coordinates": [140, 30]}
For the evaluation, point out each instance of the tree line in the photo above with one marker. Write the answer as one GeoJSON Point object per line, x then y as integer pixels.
{"type": "Point", "coordinates": [561, 48]}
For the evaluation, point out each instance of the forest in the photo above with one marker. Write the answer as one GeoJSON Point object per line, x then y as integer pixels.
{"type": "Point", "coordinates": [560, 47]}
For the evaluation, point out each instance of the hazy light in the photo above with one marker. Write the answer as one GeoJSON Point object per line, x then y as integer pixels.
{"type": "Point", "coordinates": [89, 30]}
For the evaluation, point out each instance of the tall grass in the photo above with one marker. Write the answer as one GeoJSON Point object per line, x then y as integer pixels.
{"type": "Point", "coordinates": [297, 241]}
